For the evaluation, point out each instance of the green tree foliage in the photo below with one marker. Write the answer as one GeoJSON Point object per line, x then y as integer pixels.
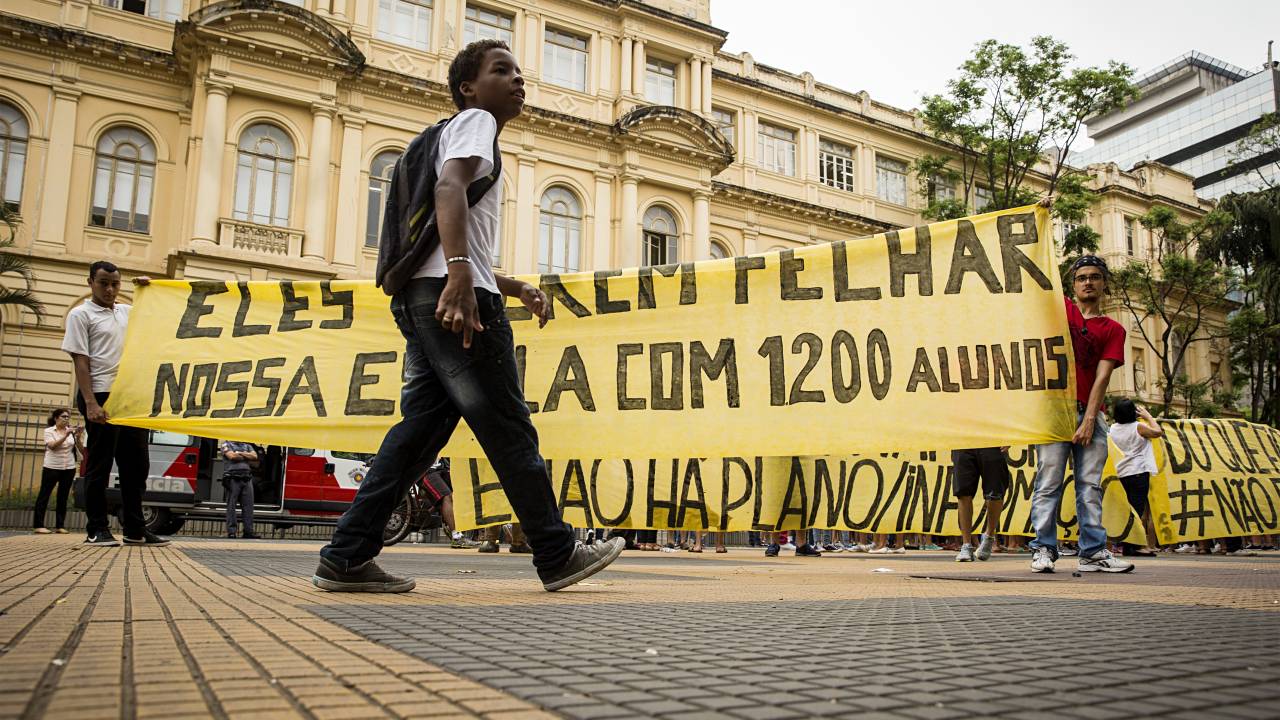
{"type": "Point", "coordinates": [1251, 242]}
{"type": "Point", "coordinates": [13, 264]}
{"type": "Point", "coordinates": [1259, 151]}
{"type": "Point", "coordinates": [1009, 111]}
{"type": "Point", "coordinates": [1179, 287]}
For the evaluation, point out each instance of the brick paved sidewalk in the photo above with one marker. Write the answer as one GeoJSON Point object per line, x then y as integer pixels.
{"type": "Point", "coordinates": [227, 629]}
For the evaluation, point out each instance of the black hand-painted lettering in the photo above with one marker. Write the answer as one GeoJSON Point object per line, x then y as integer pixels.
{"type": "Point", "coordinates": [1015, 230]}
{"type": "Point", "coordinates": [741, 266]}
{"type": "Point", "coordinates": [239, 328]}
{"type": "Point", "coordinates": [189, 324]}
{"type": "Point", "coordinates": [239, 387]}
{"type": "Point", "coordinates": [357, 405]}
{"type": "Point", "coordinates": [292, 305]}
{"type": "Point", "coordinates": [919, 263]}
{"type": "Point", "coordinates": [344, 299]}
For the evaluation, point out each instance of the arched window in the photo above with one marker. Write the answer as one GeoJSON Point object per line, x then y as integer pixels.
{"type": "Point", "coordinates": [384, 164]}
{"type": "Point", "coordinates": [13, 154]}
{"type": "Point", "coordinates": [719, 251]}
{"type": "Point", "coordinates": [264, 175]}
{"type": "Point", "coordinates": [123, 179]}
{"type": "Point", "coordinates": [560, 231]}
{"type": "Point", "coordinates": [661, 237]}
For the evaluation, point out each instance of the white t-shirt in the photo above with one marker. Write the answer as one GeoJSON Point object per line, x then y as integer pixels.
{"type": "Point", "coordinates": [1139, 457]}
{"type": "Point", "coordinates": [97, 332]}
{"type": "Point", "coordinates": [471, 134]}
{"type": "Point", "coordinates": [60, 456]}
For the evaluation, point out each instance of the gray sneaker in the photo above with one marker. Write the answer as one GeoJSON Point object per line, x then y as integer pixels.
{"type": "Point", "coordinates": [984, 547]}
{"type": "Point", "coordinates": [586, 560]}
{"type": "Point", "coordinates": [1042, 561]}
{"type": "Point", "coordinates": [965, 554]}
{"type": "Point", "coordinates": [1103, 561]}
{"type": "Point", "coordinates": [365, 577]}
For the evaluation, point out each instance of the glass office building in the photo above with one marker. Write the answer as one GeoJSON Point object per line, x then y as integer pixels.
{"type": "Point", "coordinates": [1192, 115]}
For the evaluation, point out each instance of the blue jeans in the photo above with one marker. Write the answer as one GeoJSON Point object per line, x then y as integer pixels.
{"type": "Point", "coordinates": [1051, 470]}
{"type": "Point", "coordinates": [443, 382]}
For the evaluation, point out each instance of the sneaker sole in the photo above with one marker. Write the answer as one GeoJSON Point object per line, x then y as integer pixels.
{"type": "Point", "coordinates": [1042, 570]}
{"type": "Point", "coordinates": [368, 587]}
{"type": "Point", "coordinates": [1099, 568]}
{"type": "Point", "coordinates": [964, 559]}
{"type": "Point", "coordinates": [144, 543]}
{"type": "Point", "coordinates": [108, 543]}
{"type": "Point", "coordinates": [585, 572]}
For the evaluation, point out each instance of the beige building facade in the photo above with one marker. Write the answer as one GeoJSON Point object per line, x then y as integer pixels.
{"type": "Point", "coordinates": [252, 139]}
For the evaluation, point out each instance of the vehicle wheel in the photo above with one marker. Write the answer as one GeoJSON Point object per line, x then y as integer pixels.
{"type": "Point", "coordinates": [400, 522]}
{"type": "Point", "coordinates": [174, 526]}
{"type": "Point", "coordinates": [157, 518]}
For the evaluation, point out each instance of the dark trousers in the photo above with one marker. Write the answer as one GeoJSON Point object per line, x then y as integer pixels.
{"type": "Point", "coordinates": [239, 489]}
{"type": "Point", "coordinates": [50, 478]}
{"type": "Point", "coordinates": [444, 383]}
{"type": "Point", "coordinates": [1136, 489]}
{"type": "Point", "coordinates": [126, 447]}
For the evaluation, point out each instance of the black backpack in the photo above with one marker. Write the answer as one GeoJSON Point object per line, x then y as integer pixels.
{"type": "Point", "coordinates": [409, 232]}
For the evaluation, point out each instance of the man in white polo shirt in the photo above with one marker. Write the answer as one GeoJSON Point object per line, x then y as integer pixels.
{"type": "Point", "coordinates": [95, 340]}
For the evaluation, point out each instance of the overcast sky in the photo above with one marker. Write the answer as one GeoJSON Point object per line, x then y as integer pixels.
{"type": "Point", "coordinates": [902, 49]}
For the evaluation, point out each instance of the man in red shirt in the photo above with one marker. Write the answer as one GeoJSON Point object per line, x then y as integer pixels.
{"type": "Point", "coordinates": [1098, 344]}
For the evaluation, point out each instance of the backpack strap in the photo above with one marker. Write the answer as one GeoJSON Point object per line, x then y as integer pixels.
{"type": "Point", "coordinates": [477, 189]}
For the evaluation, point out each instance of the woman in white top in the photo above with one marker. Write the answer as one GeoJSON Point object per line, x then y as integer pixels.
{"type": "Point", "coordinates": [61, 439]}
{"type": "Point", "coordinates": [1132, 433]}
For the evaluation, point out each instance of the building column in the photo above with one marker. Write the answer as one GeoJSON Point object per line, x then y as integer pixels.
{"type": "Point", "coordinates": [209, 181]}
{"type": "Point", "coordinates": [695, 86]}
{"type": "Point", "coordinates": [701, 225]}
{"type": "Point", "coordinates": [624, 89]}
{"type": "Point", "coordinates": [637, 67]}
{"type": "Point", "coordinates": [747, 143]}
{"type": "Point", "coordinates": [532, 44]}
{"type": "Point", "coordinates": [315, 219]}
{"type": "Point", "coordinates": [348, 228]}
{"type": "Point", "coordinates": [706, 88]}
{"type": "Point", "coordinates": [629, 247]}
{"type": "Point", "coordinates": [62, 141]}
{"type": "Point", "coordinates": [602, 243]}
{"type": "Point", "coordinates": [525, 258]}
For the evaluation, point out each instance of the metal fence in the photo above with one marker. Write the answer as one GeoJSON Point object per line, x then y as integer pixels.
{"type": "Point", "coordinates": [22, 444]}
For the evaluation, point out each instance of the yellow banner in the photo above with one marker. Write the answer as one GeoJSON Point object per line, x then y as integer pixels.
{"type": "Point", "coordinates": [953, 331]}
{"type": "Point", "coordinates": [883, 493]}
{"type": "Point", "coordinates": [1217, 478]}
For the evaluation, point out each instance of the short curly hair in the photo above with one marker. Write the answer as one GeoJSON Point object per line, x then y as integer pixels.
{"type": "Point", "coordinates": [466, 66]}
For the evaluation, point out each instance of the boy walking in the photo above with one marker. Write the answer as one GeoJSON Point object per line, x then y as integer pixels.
{"type": "Point", "coordinates": [95, 340]}
{"type": "Point", "coordinates": [459, 357]}
{"type": "Point", "coordinates": [1098, 344]}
